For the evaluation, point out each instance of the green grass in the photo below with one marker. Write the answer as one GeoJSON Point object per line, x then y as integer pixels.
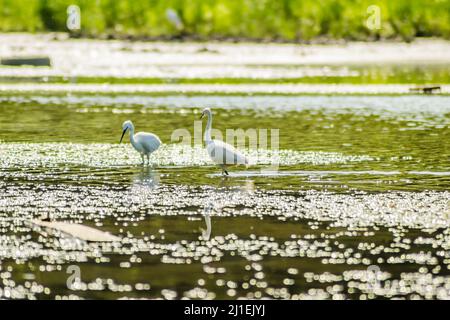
{"type": "Point", "coordinates": [287, 20]}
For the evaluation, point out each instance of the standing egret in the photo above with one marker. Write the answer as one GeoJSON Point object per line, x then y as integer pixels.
{"type": "Point", "coordinates": [223, 154]}
{"type": "Point", "coordinates": [143, 142]}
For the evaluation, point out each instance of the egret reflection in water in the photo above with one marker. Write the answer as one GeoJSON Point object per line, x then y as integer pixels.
{"type": "Point", "coordinates": [206, 234]}
{"type": "Point", "coordinates": [146, 177]}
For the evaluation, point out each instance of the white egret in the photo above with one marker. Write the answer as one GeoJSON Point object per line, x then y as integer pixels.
{"type": "Point", "coordinates": [143, 142]}
{"type": "Point", "coordinates": [223, 154]}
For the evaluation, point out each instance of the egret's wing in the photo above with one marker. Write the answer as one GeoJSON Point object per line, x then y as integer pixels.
{"type": "Point", "coordinates": [224, 153]}
{"type": "Point", "coordinates": [149, 141]}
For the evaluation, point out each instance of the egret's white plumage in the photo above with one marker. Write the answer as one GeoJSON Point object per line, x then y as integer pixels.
{"type": "Point", "coordinates": [143, 142]}
{"type": "Point", "coordinates": [220, 152]}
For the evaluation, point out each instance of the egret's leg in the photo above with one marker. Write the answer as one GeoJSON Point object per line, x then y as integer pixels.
{"type": "Point", "coordinates": [148, 159]}
{"type": "Point", "coordinates": [143, 160]}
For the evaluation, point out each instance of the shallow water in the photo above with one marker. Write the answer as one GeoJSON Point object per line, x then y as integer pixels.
{"type": "Point", "coordinates": [356, 206]}
{"type": "Point", "coordinates": [82, 60]}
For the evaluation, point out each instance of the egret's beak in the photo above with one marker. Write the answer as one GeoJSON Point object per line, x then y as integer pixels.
{"type": "Point", "coordinates": [202, 115]}
{"type": "Point", "coordinates": [123, 133]}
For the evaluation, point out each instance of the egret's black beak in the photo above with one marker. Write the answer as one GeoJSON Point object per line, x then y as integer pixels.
{"type": "Point", "coordinates": [202, 115]}
{"type": "Point", "coordinates": [123, 133]}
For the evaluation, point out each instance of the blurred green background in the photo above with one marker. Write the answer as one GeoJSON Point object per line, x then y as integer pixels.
{"type": "Point", "coordinates": [285, 20]}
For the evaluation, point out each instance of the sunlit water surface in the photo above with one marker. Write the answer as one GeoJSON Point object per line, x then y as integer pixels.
{"type": "Point", "coordinates": [354, 204]}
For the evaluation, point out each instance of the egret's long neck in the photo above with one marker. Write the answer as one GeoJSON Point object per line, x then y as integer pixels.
{"type": "Point", "coordinates": [208, 128]}
{"type": "Point", "coordinates": [133, 142]}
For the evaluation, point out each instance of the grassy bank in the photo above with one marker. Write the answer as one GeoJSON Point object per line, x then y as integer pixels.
{"type": "Point", "coordinates": [289, 20]}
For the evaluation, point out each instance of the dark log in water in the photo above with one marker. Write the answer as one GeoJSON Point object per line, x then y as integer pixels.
{"type": "Point", "coordinates": [426, 89]}
{"type": "Point", "coordinates": [27, 61]}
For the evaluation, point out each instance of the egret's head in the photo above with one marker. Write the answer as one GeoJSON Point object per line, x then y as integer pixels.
{"type": "Point", "coordinates": [127, 125]}
{"type": "Point", "coordinates": [206, 112]}
{"type": "Point", "coordinates": [208, 208]}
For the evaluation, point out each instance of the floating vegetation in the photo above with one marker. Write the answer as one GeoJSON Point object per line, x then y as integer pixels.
{"type": "Point", "coordinates": [426, 210]}
{"type": "Point", "coordinates": [361, 238]}
{"type": "Point", "coordinates": [47, 155]}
